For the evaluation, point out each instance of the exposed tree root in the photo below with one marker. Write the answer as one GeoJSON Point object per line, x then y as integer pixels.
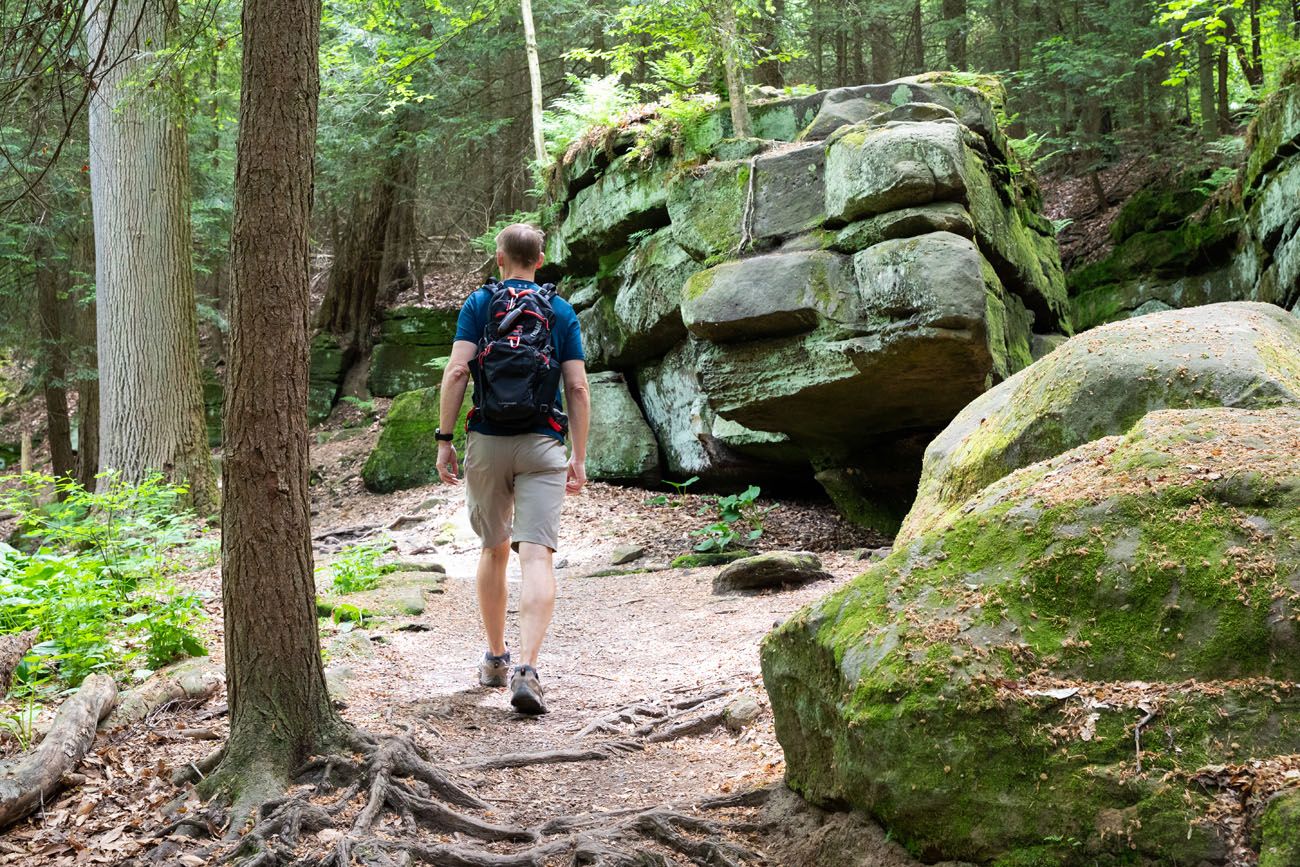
{"type": "Point", "coordinates": [554, 757]}
{"type": "Point", "coordinates": [342, 798]}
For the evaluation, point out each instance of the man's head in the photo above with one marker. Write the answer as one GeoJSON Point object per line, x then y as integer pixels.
{"type": "Point", "coordinates": [519, 250]}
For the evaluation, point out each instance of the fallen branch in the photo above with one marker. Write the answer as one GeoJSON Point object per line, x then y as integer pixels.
{"type": "Point", "coordinates": [12, 650]}
{"type": "Point", "coordinates": [191, 680]}
{"type": "Point", "coordinates": [28, 779]}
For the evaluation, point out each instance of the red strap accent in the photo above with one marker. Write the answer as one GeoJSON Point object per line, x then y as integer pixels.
{"type": "Point", "coordinates": [555, 424]}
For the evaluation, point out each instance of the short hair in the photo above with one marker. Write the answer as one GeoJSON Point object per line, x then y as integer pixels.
{"type": "Point", "coordinates": [521, 243]}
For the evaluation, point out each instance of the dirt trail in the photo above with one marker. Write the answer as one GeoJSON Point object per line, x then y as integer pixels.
{"type": "Point", "coordinates": [649, 638]}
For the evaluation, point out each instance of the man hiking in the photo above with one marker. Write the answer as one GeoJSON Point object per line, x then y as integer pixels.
{"type": "Point", "coordinates": [518, 341]}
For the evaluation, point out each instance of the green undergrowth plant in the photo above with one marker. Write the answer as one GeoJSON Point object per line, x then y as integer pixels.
{"type": "Point", "coordinates": [357, 567]}
{"type": "Point", "coordinates": [91, 570]}
{"type": "Point", "coordinates": [678, 489]}
{"type": "Point", "coordinates": [735, 512]}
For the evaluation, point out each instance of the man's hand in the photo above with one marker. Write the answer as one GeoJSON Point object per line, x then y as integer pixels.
{"type": "Point", "coordinates": [447, 466]}
{"type": "Point", "coordinates": [577, 478]}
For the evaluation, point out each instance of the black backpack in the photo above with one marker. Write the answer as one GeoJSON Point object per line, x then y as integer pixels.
{"type": "Point", "coordinates": [517, 377]}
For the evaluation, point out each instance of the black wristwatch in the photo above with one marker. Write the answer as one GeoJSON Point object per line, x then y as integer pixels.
{"type": "Point", "coordinates": [442, 437]}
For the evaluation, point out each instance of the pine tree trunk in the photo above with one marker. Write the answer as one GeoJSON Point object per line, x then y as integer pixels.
{"type": "Point", "coordinates": [1225, 115]}
{"type": "Point", "coordinates": [882, 50]}
{"type": "Point", "coordinates": [954, 15]}
{"type": "Point", "coordinates": [280, 712]}
{"type": "Point", "coordinates": [918, 39]}
{"type": "Point", "coordinates": [54, 381]}
{"type": "Point", "coordinates": [1205, 81]}
{"type": "Point", "coordinates": [768, 73]}
{"type": "Point", "coordinates": [151, 396]}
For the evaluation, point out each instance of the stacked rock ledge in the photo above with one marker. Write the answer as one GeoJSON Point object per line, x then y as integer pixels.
{"type": "Point", "coordinates": [818, 300]}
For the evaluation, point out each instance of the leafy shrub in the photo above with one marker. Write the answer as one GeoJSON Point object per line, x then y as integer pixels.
{"type": "Point", "coordinates": [91, 576]}
{"type": "Point", "coordinates": [723, 535]}
{"type": "Point", "coordinates": [357, 567]}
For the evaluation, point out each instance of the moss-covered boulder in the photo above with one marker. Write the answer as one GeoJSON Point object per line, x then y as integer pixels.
{"type": "Point", "coordinates": [707, 208]}
{"type": "Point", "coordinates": [1099, 383]}
{"type": "Point", "coordinates": [819, 297]}
{"type": "Point", "coordinates": [768, 296]}
{"type": "Point", "coordinates": [406, 455]}
{"type": "Point", "coordinates": [409, 353]}
{"type": "Point", "coordinates": [327, 365]}
{"type": "Point", "coordinates": [630, 196]}
{"type": "Point", "coordinates": [621, 447]}
{"type": "Point", "coordinates": [871, 169]}
{"type": "Point", "coordinates": [1041, 678]}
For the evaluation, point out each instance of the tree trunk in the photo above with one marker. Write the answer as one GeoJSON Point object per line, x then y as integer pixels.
{"type": "Point", "coordinates": [859, 61]}
{"type": "Point", "coordinates": [954, 16]}
{"type": "Point", "coordinates": [918, 39]}
{"type": "Point", "coordinates": [768, 73]}
{"type": "Point", "coordinates": [1205, 81]}
{"type": "Point", "coordinates": [151, 395]}
{"type": "Point", "coordinates": [740, 122]}
{"type": "Point", "coordinates": [882, 50]}
{"type": "Point", "coordinates": [348, 309]}
{"type": "Point", "coordinates": [1225, 114]}
{"type": "Point", "coordinates": [841, 55]}
{"type": "Point", "coordinates": [54, 382]}
{"type": "Point", "coordinates": [534, 81]}
{"type": "Point", "coordinates": [280, 712]}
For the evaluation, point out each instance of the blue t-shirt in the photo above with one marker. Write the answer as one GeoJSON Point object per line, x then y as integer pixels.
{"type": "Point", "coordinates": [566, 337]}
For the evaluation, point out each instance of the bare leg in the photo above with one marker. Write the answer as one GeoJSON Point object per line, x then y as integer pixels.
{"type": "Point", "coordinates": [537, 601]}
{"type": "Point", "coordinates": [492, 595]}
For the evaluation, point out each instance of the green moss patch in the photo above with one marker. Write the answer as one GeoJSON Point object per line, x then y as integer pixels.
{"type": "Point", "coordinates": [406, 455]}
{"type": "Point", "coordinates": [979, 690]}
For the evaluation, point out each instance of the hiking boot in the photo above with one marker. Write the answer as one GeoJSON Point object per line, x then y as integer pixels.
{"type": "Point", "coordinates": [492, 670]}
{"type": "Point", "coordinates": [526, 690]}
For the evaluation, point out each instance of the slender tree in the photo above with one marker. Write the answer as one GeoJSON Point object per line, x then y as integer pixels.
{"type": "Point", "coordinates": [534, 81]}
{"type": "Point", "coordinates": [280, 712]}
{"type": "Point", "coordinates": [151, 394]}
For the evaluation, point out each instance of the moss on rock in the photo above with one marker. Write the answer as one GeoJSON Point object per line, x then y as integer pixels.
{"type": "Point", "coordinates": [977, 690]}
{"type": "Point", "coordinates": [1101, 382]}
{"type": "Point", "coordinates": [406, 455]}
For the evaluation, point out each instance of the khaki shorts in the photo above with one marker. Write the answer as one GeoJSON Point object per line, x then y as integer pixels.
{"type": "Point", "coordinates": [520, 477]}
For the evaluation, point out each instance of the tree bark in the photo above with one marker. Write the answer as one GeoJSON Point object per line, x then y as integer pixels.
{"type": "Point", "coordinates": [882, 50]}
{"type": "Point", "coordinates": [740, 122]}
{"type": "Point", "coordinates": [954, 15]}
{"type": "Point", "coordinates": [1205, 82]}
{"type": "Point", "coordinates": [534, 81]}
{"type": "Point", "coordinates": [1224, 113]}
{"type": "Point", "coordinates": [151, 394]}
{"type": "Point", "coordinates": [918, 39]}
{"type": "Point", "coordinates": [280, 712]}
{"type": "Point", "coordinates": [768, 73]}
{"type": "Point", "coordinates": [54, 382]}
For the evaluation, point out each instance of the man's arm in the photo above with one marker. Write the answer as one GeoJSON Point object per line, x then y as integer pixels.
{"type": "Point", "coordinates": [577, 400]}
{"type": "Point", "coordinates": [455, 379]}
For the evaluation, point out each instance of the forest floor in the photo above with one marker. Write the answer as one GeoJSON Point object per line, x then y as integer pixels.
{"type": "Point", "coordinates": [656, 639]}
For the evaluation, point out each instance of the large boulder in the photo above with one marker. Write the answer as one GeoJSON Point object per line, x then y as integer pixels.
{"type": "Point", "coordinates": [1099, 383]}
{"type": "Point", "coordinates": [406, 455]}
{"type": "Point", "coordinates": [621, 447]}
{"type": "Point", "coordinates": [767, 296]}
{"type": "Point", "coordinates": [769, 570]}
{"type": "Point", "coordinates": [409, 354]}
{"type": "Point", "coordinates": [819, 297]}
{"type": "Point", "coordinates": [1043, 677]}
